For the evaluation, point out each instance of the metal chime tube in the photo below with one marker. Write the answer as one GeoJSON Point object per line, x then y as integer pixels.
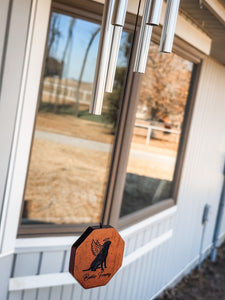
{"type": "Point", "coordinates": [102, 59]}
{"type": "Point", "coordinates": [144, 40]}
{"type": "Point", "coordinates": [119, 13]}
{"type": "Point", "coordinates": [155, 12]}
{"type": "Point", "coordinates": [118, 22]}
{"type": "Point", "coordinates": [166, 42]}
{"type": "Point", "coordinates": [111, 32]}
{"type": "Point", "coordinates": [117, 33]}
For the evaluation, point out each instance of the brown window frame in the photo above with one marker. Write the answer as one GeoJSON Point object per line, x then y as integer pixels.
{"type": "Point", "coordinates": [92, 11]}
{"type": "Point", "coordinates": [125, 133]}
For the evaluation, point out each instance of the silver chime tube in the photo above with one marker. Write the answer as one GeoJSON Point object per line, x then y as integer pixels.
{"type": "Point", "coordinates": [143, 41]}
{"type": "Point", "coordinates": [155, 12]}
{"type": "Point", "coordinates": [117, 33]}
{"type": "Point", "coordinates": [119, 12]}
{"type": "Point", "coordinates": [142, 51]}
{"type": "Point", "coordinates": [166, 42]}
{"type": "Point", "coordinates": [118, 20]}
{"type": "Point", "coordinates": [102, 59]}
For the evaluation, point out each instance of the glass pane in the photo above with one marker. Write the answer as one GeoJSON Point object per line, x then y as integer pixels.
{"type": "Point", "coordinates": [71, 151]}
{"type": "Point", "coordinates": [157, 130]}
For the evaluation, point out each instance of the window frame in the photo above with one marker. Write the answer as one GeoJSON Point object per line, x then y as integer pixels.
{"type": "Point", "coordinates": [169, 202]}
{"type": "Point", "coordinates": [92, 11]}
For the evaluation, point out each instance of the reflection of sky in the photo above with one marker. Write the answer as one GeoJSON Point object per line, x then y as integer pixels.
{"type": "Point", "coordinates": [82, 33]}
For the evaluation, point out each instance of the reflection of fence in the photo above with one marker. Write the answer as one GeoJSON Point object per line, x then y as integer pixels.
{"type": "Point", "coordinates": [67, 92]}
{"type": "Point", "coordinates": [150, 128]}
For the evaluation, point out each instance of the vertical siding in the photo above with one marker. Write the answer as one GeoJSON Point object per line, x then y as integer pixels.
{"type": "Point", "coordinates": [67, 292]}
{"type": "Point", "coordinates": [16, 295]}
{"type": "Point", "coordinates": [14, 18]}
{"type": "Point", "coordinates": [43, 294]}
{"type": "Point", "coordinates": [5, 267]}
{"type": "Point", "coordinates": [51, 262]}
{"type": "Point", "coordinates": [202, 173]}
{"type": "Point", "coordinates": [30, 260]}
{"type": "Point", "coordinates": [10, 79]}
{"type": "Point", "coordinates": [129, 282]}
{"type": "Point", "coordinates": [4, 18]}
{"type": "Point", "coordinates": [29, 294]}
{"type": "Point", "coordinates": [201, 183]}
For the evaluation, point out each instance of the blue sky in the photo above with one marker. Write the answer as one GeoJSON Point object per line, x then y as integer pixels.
{"type": "Point", "coordinates": [82, 33]}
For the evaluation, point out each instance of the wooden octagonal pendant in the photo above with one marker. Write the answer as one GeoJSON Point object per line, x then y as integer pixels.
{"type": "Point", "coordinates": [96, 256]}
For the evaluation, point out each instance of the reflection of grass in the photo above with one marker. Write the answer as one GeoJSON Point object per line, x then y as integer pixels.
{"type": "Point", "coordinates": [72, 126]}
{"type": "Point", "coordinates": [67, 109]}
{"type": "Point", "coordinates": [84, 114]}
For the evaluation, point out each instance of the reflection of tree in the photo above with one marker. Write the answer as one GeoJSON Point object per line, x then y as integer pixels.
{"type": "Point", "coordinates": [54, 33]}
{"type": "Point", "coordinates": [67, 44]}
{"type": "Point", "coordinates": [76, 107]}
{"type": "Point", "coordinates": [114, 97]}
{"type": "Point", "coordinates": [164, 87]}
{"type": "Point", "coordinates": [52, 65]}
{"type": "Point", "coordinates": [55, 67]}
{"type": "Point", "coordinates": [69, 38]}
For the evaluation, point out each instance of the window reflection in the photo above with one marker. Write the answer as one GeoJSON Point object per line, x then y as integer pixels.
{"type": "Point", "coordinates": [71, 150]}
{"type": "Point", "coordinates": [157, 131]}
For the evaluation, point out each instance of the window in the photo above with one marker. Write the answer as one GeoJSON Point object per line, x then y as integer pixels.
{"type": "Point", "coordinates": [157, 130]}
{"type": "Point", "coordinates": [72, 149]}
{"type": "Point", "coordinates": [78, 172]}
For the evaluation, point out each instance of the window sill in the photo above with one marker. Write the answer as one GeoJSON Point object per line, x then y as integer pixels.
{"type": "Point", "coordinates": [54, 231]}
{"type": "Point", "coordinates": [145, 213]}
{"type": "Point", "coordinates": [35, 244]}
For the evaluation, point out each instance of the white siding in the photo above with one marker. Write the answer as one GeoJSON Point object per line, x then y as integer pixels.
{"type": "Point", "coordinates": [43, 294]}
{"type": "Point", "coordinates": [161, 262]}
{"type": "Point", "coordinates": [27, 84]}
{"type": "Point", "coordinates": [52, 262]}
{"type": "Point", "coordinates": [16, 296]}
{"type": "Point", "coordinates": [4, 14]}
{"type": "Point", "coordinates": [158, 250]}
{"type": "Point", "coordinates": [202, 176]}
{"type": "Point", "coordinates": [29, 295]}
{"type": "Point", "coordinates": [144, 238]}
{"type": "Point", "coordinates": [10, 77]}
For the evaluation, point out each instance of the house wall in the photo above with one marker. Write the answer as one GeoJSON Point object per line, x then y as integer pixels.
{"type": "Point", "coordinates": [4, 18]}
{"type": "Point", "coordinates": [14, 21]}
{"type": "Point", "coordinates": [202, 176]}
{"type": "Point", "coordinates": [159, 250]}
{"type": "Point", "coordinates": [47, 262]}
{"type": "Point", "coordinates": [13, 31]}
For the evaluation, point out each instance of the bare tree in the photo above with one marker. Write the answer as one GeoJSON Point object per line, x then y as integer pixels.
{"type": "Point", "coordinates": [76, 106]}
{"type": "Point", "coordinates": [52, 66]}
{"type": "Point", "coordinates": [54, 33]}
{"type": "Point", "coordinates": [68, 42]}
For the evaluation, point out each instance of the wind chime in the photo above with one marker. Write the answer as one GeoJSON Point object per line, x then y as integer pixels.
{"type": "Point", "coordinates": [98, 253]}
{"type": "Point", "coordinates": [111, 31]}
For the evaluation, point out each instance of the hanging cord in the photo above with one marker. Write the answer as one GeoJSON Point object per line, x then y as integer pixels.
{"type": "Point", "coordinates": [133, 42]}
{"type": "Point", "coordinates": [101, 224]}
{"type": "Point", "coordinates": [136, 22]}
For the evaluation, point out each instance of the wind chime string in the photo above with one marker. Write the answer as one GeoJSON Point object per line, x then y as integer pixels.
{"type": "Point", "coordinates": [101, 224]}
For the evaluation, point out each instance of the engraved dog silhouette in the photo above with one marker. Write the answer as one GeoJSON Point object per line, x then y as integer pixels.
{"type": "Point", "coordinates": [101, 253]}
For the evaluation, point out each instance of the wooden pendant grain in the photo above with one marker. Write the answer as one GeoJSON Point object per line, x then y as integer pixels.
{"type": "Point", "coordinates": [96, 256]}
